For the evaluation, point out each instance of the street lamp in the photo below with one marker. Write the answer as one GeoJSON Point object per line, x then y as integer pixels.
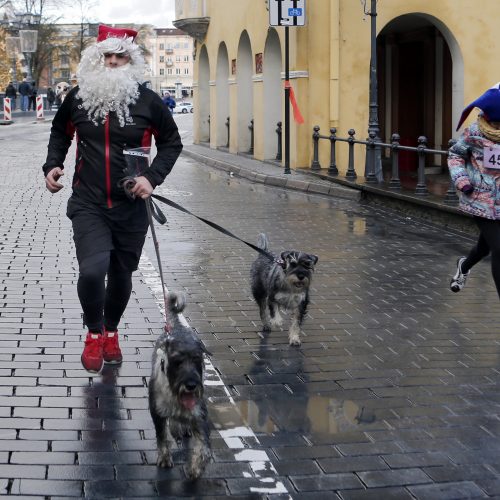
{"type": "Point", "coordinates": [28, 37]}
{"type": "Point", "coordinates": [12, 47]}
{"type": "Point", "coordinates": [374, 158]}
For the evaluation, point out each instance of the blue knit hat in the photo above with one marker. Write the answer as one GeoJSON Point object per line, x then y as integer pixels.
{"type": "Point", "coordinates": [488, 103]}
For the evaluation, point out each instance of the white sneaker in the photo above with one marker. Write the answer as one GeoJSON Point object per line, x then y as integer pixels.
{"type": "Point", "coordinates": [459, 279]}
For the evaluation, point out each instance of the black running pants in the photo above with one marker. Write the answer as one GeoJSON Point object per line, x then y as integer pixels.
{"type": "Point", "coordinates": [488, 242]}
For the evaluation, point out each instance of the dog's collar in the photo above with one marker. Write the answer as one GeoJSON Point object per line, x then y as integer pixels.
{"type": "Point", "coordinates": [280, 262]}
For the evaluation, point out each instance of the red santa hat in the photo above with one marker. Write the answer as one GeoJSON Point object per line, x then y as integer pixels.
{"type": "Point", "coordinates": [109, 32]}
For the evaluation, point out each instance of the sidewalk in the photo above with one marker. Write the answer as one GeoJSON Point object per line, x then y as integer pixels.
{"type": "Point", "coordinates": [270, 174]}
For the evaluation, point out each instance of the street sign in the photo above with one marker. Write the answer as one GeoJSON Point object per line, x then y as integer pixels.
{"type": "Point", "coordinates": [287, 12]}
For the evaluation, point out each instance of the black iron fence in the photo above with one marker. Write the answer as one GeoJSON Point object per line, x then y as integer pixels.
{"type": "Point", "coordinates": [373, 156]}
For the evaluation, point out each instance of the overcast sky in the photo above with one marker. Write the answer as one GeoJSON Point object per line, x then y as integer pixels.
{"type": "Point", "coordinates": [159, 13]}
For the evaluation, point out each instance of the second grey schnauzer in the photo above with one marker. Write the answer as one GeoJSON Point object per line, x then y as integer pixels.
{"type": "Point", "coordinates": [176, 400]}
{"type": "Point", "coordinates": [282, 285]}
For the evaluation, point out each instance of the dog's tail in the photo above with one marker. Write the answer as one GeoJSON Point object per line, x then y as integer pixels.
{"type": "Point", "coordinates": [263, 242]}
{"type": "Point", "coordinates": [176, 302]}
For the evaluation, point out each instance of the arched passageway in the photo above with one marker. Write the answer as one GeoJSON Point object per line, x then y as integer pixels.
{"type": "Point", "coordinates": [418, 59]}
{"type": "Point", "coordinates": [272, 93]}
{"type": "Point", "coordinates": [222, 93]}
{"type": "Point", "coordinates": [204, 95]}
{"type": "Point", "coordinates": [245, 91]}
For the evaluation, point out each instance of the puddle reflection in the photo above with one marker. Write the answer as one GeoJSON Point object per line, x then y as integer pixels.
{"type": "Point", "coordinates": [315, 414]}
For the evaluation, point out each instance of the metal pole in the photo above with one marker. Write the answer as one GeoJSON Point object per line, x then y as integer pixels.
{"type": "Point", "coordinates": [287, 101]}
{"type": "Point", "coordinates": [373, 124]}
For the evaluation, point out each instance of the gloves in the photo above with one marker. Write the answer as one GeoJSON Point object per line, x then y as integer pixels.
{"type": "Point", "coordinates": [467, 189]}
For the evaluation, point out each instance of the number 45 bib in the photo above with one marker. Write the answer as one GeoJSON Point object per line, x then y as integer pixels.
{"type": "Point", "coordinates": [491, 157]}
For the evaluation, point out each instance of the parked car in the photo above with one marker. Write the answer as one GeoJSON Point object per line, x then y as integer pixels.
{"type": "Point", "coordinates": [183, 107]}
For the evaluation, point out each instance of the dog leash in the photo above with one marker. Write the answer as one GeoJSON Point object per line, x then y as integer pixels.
{"type": "Point", "coordinates": [153, 211]}
{"type": "Point", "coordinates": [222, 230]}
{"type": "Point", "coordinates": [128, 183]}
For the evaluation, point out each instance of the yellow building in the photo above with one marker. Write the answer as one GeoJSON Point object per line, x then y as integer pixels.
{"type": "Point", "coordinates": [433, 58]}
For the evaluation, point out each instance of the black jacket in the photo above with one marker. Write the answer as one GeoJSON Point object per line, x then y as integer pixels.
{"type": "Point", "coordinates": [10, 91]}
{"type": "Point", "coordinates": [100, 162]}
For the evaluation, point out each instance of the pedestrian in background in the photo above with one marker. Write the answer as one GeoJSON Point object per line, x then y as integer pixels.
{"type": "Point", "coordinates": [109, 111]}
{"type": "Point", "coordinates": [169, 101]}
{"type": "Point", "coordinates": [51, 97]}
{"type": "Point", "coordinates": [24, 91]}
{"type": "Point", "coordinates": [474, 163]}
{"type": "Point", "coordinates": [11, 93]}
{"type": "Point", "coordinates": [32, 95]}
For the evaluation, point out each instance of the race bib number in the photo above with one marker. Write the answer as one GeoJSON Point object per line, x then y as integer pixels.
{"type": "Point", "coordinates": [491, 157]}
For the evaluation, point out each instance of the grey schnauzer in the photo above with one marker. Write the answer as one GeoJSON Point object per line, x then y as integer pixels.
{"type": "Point", "coordinates": [176, 399]}
{"type": "Point", "coordinates": [282, 284]}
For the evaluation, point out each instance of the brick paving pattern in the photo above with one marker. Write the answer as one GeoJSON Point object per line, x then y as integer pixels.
{"type": "Point", "coordinates": [393, 393]}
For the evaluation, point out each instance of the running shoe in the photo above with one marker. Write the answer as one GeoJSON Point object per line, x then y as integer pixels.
{"type": "Point", "coordinates": [459, 279]}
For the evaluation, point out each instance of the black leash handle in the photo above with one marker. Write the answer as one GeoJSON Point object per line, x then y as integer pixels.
{"type": "Point", "coordinates": [127, 183]}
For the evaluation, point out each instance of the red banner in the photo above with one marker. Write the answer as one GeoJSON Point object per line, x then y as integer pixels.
{"type": "Point", "coordinates": [297, 115]}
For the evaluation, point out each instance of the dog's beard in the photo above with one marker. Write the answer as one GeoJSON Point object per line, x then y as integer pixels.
{"type": "Point", "coordinates": [103, 90]}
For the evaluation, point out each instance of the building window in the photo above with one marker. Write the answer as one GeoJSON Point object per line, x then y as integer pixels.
{"type": "Point", "coordinates": [162, 71]}
{"type": "Point", "coordinates": [169, 46]}
{"type": "Point", "coordinates": [186, 71]}
{"type": "Point", "coordinates": [64, 60]}
{"type": "Point", "coordinates": [178, 58]}
{"type": "Point", "coordinates": [186, 58]}
{"type": "Point", "coordinates": [169, 71]}
{"type": "Point", "coordinates": [65, 74]}
{"type": "Point", "coordinates": [177, 45]}
{"type": "Point", "coordinates": [162, 58]}
{"type": "Point", "coordinates": [186, 45]}
{"type": "Point", "coordinates": [177, 71]}
{"type": "Point", "coordinates": [162, 46]}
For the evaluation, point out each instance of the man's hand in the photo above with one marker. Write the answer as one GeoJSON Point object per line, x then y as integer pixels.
{"type": "Point", "coordinates": [51, 180]}
{"type": "Point", "coordinates": [142, 188]}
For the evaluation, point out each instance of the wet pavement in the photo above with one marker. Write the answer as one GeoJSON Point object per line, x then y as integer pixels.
{"type": "Point", "coordinates": [393, 393]}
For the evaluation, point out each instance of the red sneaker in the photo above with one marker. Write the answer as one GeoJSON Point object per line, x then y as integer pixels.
{"type": "Point", "coordinates": [111, 348]}
{"type": "Point", "coordinates": [92, 353]}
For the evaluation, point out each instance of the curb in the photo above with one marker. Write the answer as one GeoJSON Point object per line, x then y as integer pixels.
{"type": "Point", "coordinates": [277, 181]}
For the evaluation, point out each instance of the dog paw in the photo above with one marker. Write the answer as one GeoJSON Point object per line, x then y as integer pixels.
{"type": "Point", "coordinates": [266, 328]}
{"type": "Point", "coordinates": [295, 341]}
{"type": "Point", "coordinates": [277, 320]}
{"type": "Point", "coordinates": [165, 461]}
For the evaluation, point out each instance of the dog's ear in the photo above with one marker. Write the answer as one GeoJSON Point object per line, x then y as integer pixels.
{"type": "Point", "coordinates": [285, 255]}
{"type": "Point", "coordinates": [314, 258]}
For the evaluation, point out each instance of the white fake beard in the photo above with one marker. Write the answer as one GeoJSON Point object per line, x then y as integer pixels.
{"type": "Point", "coordinates": [108, 89]}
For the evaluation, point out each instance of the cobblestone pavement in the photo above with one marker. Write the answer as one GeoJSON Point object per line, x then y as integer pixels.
{"type": "Point", "coordinates": [393, 393]}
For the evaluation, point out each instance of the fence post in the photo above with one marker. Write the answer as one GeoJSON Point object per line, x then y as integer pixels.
{"type": "Point", "coordinates": [395, 183]}
{"type": "Point", "coordinates": [279, 132]}
{"type": "Point", "coordinates": [315, 163]}
{"type": "Point", "coordinates": [451, 197]}
{"type": "Point", "coordinates": [421, 189]}
{"type": "Point", "coordinates": [228, 121]}
{"type": "Point", "coordinates": [351, 173]}
{"type": "Point", "coordinates": [371, 178]}
{"type": "Point", "coordinates": [333, 170]}
{"type": "Point", "coordinates": [250, 127]}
